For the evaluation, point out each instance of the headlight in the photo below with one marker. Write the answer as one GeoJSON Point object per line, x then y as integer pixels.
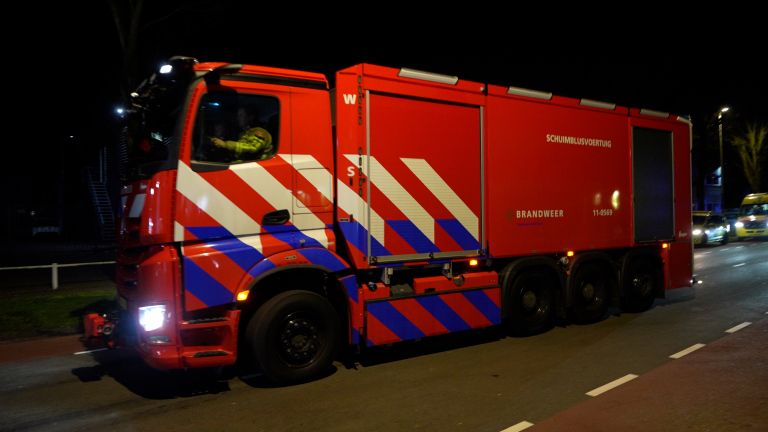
{"type": "Point", "coordinates": [152, 317]}
{"type": "Point", "coordinates": [696, 232]}
{"type": "Point", "coordinates": [738, 224]}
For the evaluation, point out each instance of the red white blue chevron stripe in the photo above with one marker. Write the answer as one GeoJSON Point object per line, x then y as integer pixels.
{"type": "Point", "coordinates": [411, 318]}
{"type": "Point", "coordinates": [219, 216]}
{"type": "Point", "coordinates": [398, 221]}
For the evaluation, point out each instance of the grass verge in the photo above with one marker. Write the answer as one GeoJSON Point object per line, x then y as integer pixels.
{"type": "Point", "coordinates": [47, 315]}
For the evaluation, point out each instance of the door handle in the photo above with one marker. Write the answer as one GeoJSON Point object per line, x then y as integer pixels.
{"type": "Point", "coordinates": [277, 217]}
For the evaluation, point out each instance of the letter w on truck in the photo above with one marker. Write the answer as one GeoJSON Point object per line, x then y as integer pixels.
{"type": "Point", "coordinates": [260, 208]}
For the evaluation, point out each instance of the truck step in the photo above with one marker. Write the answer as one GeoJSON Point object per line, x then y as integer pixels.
{"type": "Point", "coordinates": [210, 354]}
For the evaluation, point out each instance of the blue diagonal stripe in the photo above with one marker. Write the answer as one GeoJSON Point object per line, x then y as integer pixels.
{"type": "Point", "coordinates": [485, 305]}
{"type": "Point", "coordinates": [323, 257]}
{"type": "Point", "coordinates": [443, 313]}
{"type": "Point", "coordinates": [203, 286]}
{"type": "Point", "coordinates": [413, 236]}
{"type": "Point", "coordinates": [459, 234]}
{"type": "Point", "coordinates": [394, 320]}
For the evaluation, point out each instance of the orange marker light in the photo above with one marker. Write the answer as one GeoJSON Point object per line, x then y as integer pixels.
{"type": "Point", "coordinates": [473, 262]}
{"type": "Point", "coordinates": [570, 253]}
{"type": "Point", "coordinates": [664, 245]}
{"type": "Point", "coordinates": [242, 296]}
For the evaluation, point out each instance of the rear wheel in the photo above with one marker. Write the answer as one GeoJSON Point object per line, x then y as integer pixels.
{"type": "Point", "coordinates": [295, 336]}
{"type": "Point", "coordinates": [591, 293]}
{"type": "Point", "coordinates": [641, 281]}
{"type": "Point", "coordinates": [724, 241]}
{"type": "Point", "coordinates": [530, 303]}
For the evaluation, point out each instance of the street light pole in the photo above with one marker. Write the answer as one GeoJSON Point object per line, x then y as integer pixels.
{"type": "Point", "coordinates": [722, 168]}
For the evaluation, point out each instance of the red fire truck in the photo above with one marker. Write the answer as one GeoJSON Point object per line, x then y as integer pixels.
{"type": "Point", "coordinates": [266, 215]}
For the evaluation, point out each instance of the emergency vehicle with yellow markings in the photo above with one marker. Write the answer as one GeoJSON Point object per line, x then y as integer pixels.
{"type": "Point", "coordinates": [399, 205]}
{"type": "Point", "coordinates": [753, 217]}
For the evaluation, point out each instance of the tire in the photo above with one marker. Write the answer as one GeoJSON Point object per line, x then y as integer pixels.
{"type": "Point", "coordinates": [724, 241]}
{"type": "Point", "coordinates": [641, 282]}
{"type": "Point", "coordinates": [591, 293]}
{"type": "Point", "coordinates": [531, 302]}
{"type": "Point", "coordinates": [295, 336]}
{"type": "Point", "coordinates": [704, 240]}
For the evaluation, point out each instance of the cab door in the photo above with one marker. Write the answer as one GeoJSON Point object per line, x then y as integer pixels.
{"type": "Point", "coordinates": [234, 204]}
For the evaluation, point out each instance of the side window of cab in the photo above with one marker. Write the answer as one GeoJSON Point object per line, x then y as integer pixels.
{"type": "Point", "coordinates": [236, 128]}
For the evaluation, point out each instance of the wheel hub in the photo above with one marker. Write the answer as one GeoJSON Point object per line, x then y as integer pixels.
{"type": "Point", "coordinates": [643, 285]}
{"type": "Point", "coordinates": [529, 300]}
{"type": "Point", "coordinates": [299, 341]}
{"type": "Point", "coordinates": [588, 291]}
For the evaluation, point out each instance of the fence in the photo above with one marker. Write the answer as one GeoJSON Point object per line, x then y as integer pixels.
{"type": "Point", "coordinates": [55, 269]}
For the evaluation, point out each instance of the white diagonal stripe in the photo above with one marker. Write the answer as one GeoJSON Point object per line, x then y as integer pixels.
{"type": "Point", "coordinates": [351, 202]}
{"type": "Point", "coordinates": [400, 197]}
{"type": "Point", "coordinates": [214, 203]}
{"type": "Point", "coordinates": [322, 181]}
{"type": "Point", "coordinates": [444, 193]}
{"type": "Point", "coordinates": [269, 188]}
{"type": "Point", "coordinates": [265, 184]}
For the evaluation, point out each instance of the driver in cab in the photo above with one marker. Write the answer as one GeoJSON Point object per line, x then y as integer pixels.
{"type": "Point", "coordinates": [253, 143]}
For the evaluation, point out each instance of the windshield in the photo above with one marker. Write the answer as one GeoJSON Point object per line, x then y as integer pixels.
{"type": "Point", "coordinates": [149, 144]}
{"type": "Point", "coordinates": [754, 210]}
{"type": "Point", "coordinates": [150, 134]}
{"type": "Point", "coordinates": [699, 220]}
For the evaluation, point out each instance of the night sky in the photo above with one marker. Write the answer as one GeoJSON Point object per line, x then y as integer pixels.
{"type": "Point", "coordinates": [677, 63]}
{"type": "Point", "coordinates": [685, 62]}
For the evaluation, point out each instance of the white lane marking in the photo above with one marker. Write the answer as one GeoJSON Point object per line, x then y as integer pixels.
{"type": "Point", "coordinates": [686, 351]}
{"type": "Point", "coordinates": [611, 385]}
{"type": "Point", "coordinates": [738, 327]}
{"type": "Point", "coordinates": [518, 427]}
{"type": "Point", "coordinates": [91, 351]}
{"type": "Point", "coordinates": [739, 265]}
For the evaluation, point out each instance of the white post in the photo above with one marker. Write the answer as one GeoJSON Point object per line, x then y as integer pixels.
{"type": "Point", "coordinates": [55, 275]}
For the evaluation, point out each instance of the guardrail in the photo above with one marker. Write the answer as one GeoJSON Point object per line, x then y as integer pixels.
{"type": "Point", "coordinates": [55, 269]}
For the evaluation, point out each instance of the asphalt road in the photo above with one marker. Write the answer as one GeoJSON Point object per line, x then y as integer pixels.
{"type": "Point", "coordinates": [475, 382]}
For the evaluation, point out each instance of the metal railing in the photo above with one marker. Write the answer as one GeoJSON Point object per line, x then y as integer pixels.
{"type": "Point", "coordinates": [55, 269]}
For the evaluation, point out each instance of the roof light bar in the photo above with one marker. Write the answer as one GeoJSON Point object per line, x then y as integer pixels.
{"type": "Point", "coordinates": [652, 113]}
{"type": "Point", "coordinates": [597, 104]}
{"type": "Point", "coordinates": [517, 91]}
{"type": "Point", "coordinates": [427, 76]}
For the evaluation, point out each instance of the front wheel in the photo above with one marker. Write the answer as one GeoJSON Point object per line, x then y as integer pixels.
{"type": "Point", "coordinates": [295, 336]}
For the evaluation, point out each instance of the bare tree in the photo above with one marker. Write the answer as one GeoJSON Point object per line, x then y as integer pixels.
{"type": "Point", "coordinates": [752, 147]}
{"type": "Point", "coordinates": [135, 20]}
{"type": "Point", "coordinates": [127, 16]}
